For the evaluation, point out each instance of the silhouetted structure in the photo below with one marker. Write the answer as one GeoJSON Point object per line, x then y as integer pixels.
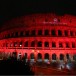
{"type": "Point", "coordinates": [13, 67]}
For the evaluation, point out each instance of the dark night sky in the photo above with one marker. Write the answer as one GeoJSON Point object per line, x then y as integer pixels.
{"type": "Point", "coordinates": [13, 8]}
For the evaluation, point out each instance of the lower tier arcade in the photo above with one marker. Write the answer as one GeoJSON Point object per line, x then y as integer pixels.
{"type": "Point", "coordinates": [40, 55]}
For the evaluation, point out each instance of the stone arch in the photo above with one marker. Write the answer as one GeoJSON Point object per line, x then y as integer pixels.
{"type": "Point", "coordinates": [61, 57]}
{"type": "Point", "coordinates": [39, 44]}
{"type": "Point", "coordinates": [25, 55]}
{"type": "Point", "coordinates": [67, 56]}
{"type": "Point", "coordinates": [46, 56]}
{"type": "Point", "coordinates": [39, 56]}
{"type": "Point", "coordinates": [32, 56]}
{"type": "Point", "coordinates": [33, 44]}
{"type": "Point", "coordinates": [14, 54]}
{"type": "Point", "coordinates": [46, 44]}
{"type": "Point", "coordinates": [54, 56]}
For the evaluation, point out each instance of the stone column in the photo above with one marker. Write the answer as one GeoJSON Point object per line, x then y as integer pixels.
{"type": "Point", "coordinates": [57, 58]}
{"type": "Point", "coordinates": [63, 34]}
{"type": "Point", "coordinates": [69, 32]}
{"type": "Point", "coordinates": [42, 57]}
{"type": "Point", "coordinates": [35, 54]}
{"type": "Point", "coordinates": [65, 58]}
{"type": "Point", "coordinates": [50, 57]}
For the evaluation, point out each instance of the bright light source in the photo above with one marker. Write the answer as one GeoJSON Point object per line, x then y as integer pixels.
{"type": "Point", "coordinates": [32, 50]}
{"type": "Point", "coordinates": [20, 45]}
{"type": "Point", "coordinates": [38, 51]}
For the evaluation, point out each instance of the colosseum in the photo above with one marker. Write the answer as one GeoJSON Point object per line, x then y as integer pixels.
{"type": "Point", "coordinates": [39, 37]}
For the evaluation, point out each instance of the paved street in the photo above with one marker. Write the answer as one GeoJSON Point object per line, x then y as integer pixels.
{"type": "Point", "coordinates": [45, 69]}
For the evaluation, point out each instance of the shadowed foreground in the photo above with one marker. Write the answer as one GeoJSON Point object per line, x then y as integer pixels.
{"type": "Point", "coordinates": [14, 67]}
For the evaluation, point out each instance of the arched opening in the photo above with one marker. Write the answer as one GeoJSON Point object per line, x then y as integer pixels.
{"type": "Point", "coordinates": [46, 56]}
{"type": "Point", "coordinates": [33, 33]}
{"type": "Point", "coordinates": [65, 32]}
{"type": "Point", "coordinates": [14, 54]}
{"type": "Point", "coordinates": [25, 57]}
{"type": "Point", "coordinates": [60, 45]}
{"type": "Point", "coordinates": [33, 44]}
{"type": "Point", "coordinates": [53, 56]}
{"type": "Point", "coordinates": [46, 44]}
{"type": "Point", "coordinates": [39, 57]}
{"type": "Point", "coordinates": [73, 44]}
{"type": "Point", "coordinates": [67, 56]}
{"type": "Point", "coordinates": [39, 44]}
{"type": "Point", "coordinates": [32, 57]}
{"type": "Point", "coordinates": [74, 57]}
{"type": "Point", "coordinates": [15, 44]}
{"type": "Point", "coordinates": [59, 33]}
{"type": "Point", "coordinates": [20, 44]}
{"type": "Point", "coordinates": [27, 33]}
{"type": "Point", "coordinates": [53, 32]}
{"type": "Point", "coordinates": [26, 44]}
{"type": "Point", "coordinates": [53, 44]}
{"type": "Point", "coordinates": [71, 33]}
{"type": "Point", "coordinates": [61, 57]}
{"type": "Point", "coordinates": [8, 36]}
{"type": "Point", "coordinates": [16, 34]}
{"type": "Point", "coordinates": [46, 32]}
{"type": "Point", "coordinates": [39, 32]}
{"type": "Point", "coordinates": [21, 33]}
{"type": "Point", "coordinates": [67, 45]}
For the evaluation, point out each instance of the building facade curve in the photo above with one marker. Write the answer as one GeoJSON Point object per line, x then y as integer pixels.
{"type": "Point", "coordinates": [40, 37]}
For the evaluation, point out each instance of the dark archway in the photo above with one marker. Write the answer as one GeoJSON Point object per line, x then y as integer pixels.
{"type": "Point", "coordinates": [32, 56]}
{"type": "Point", "coordinates": [53, 56]}
{"type": "Point", "coordinates": [14, 54]}
{"type": "Point", "coordinates": [46, 44]}
{"type": "Point", "coordinates": [39, 56]}
{"type": "Point", "coordinates": [61, 57]}
{"type": "Point", "coordinates": [25, 55]}
{"type": "Point", "coordinates": [39, 44]}
{"type": "Point", "coordinates": [46, 56]}
{"type": "Point", "coordinates": [67, 56]}
{"type": "Point", "coordinates": [33, 44]}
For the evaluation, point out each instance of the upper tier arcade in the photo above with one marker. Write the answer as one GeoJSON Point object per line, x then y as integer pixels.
{"type": "Point", "coordinates": [46, 23]}
{"type": "Point", "coordinates": [40, 19]}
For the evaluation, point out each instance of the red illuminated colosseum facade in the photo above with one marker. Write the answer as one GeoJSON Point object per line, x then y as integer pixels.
{"type": "Point", "coordinates": [40, 37]}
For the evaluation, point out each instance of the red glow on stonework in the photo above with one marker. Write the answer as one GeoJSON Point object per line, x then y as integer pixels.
{"type": "Point", "coordinates": [40, 36]}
